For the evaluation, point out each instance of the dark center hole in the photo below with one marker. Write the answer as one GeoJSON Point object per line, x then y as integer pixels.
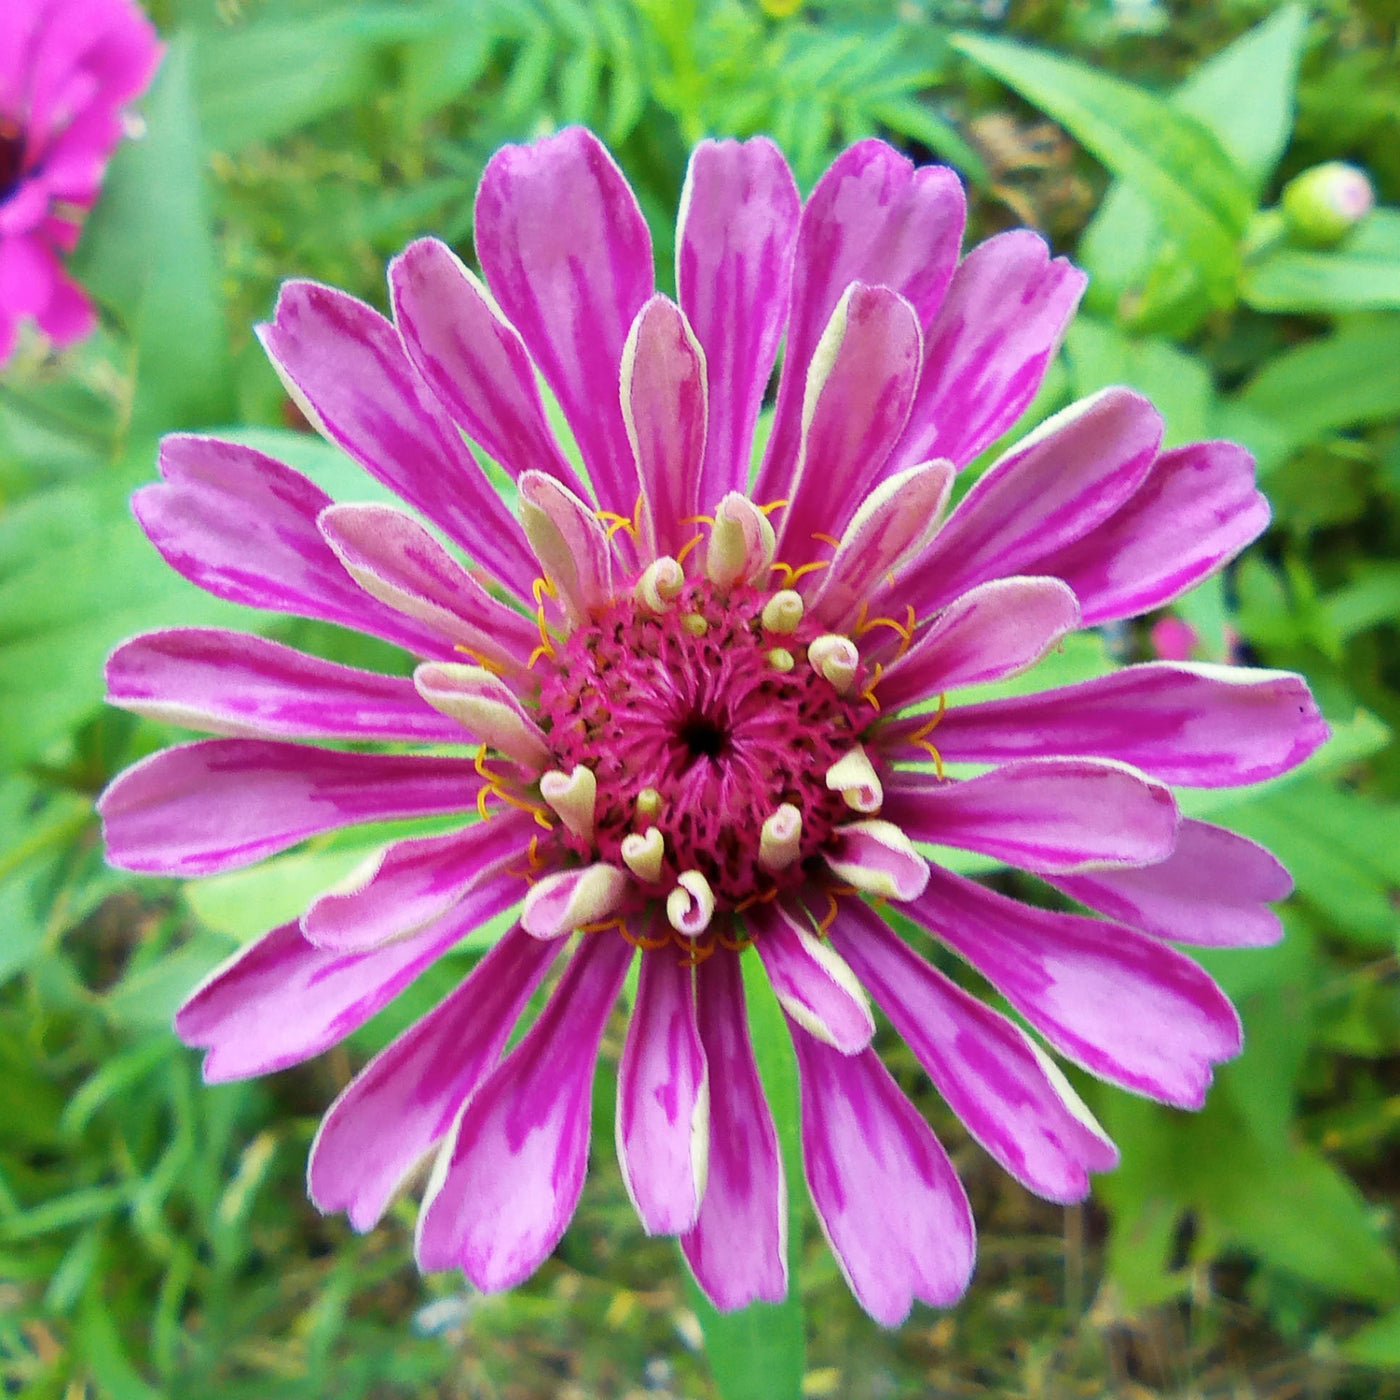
{"type": "Point", "coordinates": [703, 737]}
{"type": "Point", "coordinates": [11, 156]}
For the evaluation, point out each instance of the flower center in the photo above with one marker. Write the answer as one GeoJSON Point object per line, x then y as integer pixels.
{"type": "Point", "coordinates": [11, 156]}
{"type": "Point", "coordinates": [709, 727]}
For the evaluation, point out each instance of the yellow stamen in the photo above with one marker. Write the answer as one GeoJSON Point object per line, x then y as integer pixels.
{"type": "Point", "coordinates": [687, 547]}
{"type": "Point", "coordinates": [826, 539]}
{"type": "Point", "coordinates": [779, 504]}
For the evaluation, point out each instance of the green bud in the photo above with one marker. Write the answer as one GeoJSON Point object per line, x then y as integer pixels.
{"type": "Point", "coordinates": [1322, 205]}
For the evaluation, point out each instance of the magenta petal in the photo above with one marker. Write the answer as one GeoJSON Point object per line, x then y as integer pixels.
{"type": "Point", "coordinates": [888, 1199]}
{"type": "Point", "coordinates": [394, 559]}
{"type": "Point", "coordinates": [813, 985]}
{"type": "Point", "coordinates": [1010, 1097]}
{"type": "Point", "coordinates": [473, 360]}
{"type": "Point", "coordinates": [242, 526]}
{"type": "Point", "coordinates": [411, 883]}
{"type": "Point", "coordinates": [663, 402]}
{"type": "Point", "coordinates": [195, 809]}
{"type": "Point", "coordinates": [1214, 890]}
{"type": "Point", "coordinates": [738, 1247]}
{"type": "Point", "coordinates": [857, 397]}
{"type": "Point", "coordinates": [1195, 511]}
{"type": "Point", "coordinates": [1053, 487]}
{"type": "Point", "coordinates": [567, 255]}
{"type": "Point", "coordinates": [1194, 724]}
{"type": "Point", "coordinates": [986, 353]}
{"type": "Point", "coordinates": [572, 548]}
{"type": "Point", "coordinates": [1121, 1004]}
{"type": "Point", "coordinates": [281, 1000]}
{"type": "Point", "coordinates": [734, 250]}
{"type": "Point", "coordinates": [872, 217]}
{"type": "Point", "coordinates": [403, 1102]}
{"type": "Point", "coordinates": [235, 683]}
{"type": "Point", "coordinates": [992, 631]}
{"type": "Point", "coordinates": [890, 526]}
{"type": "Point", "coordinates": [663, 1099]}
{"type": "Point", "coordinates": [509, 1177]}
{"type": "Point", "coordinates": [1050, 815]}
{"type": "Point", "coordinates": [349, 371]}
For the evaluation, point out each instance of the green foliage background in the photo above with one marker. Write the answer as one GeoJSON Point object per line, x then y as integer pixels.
{"type": "Point", "coordinates": [154, 1239]}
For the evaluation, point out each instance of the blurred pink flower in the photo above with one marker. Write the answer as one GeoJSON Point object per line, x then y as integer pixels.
{"type": "Point", "coordinates": [67, 67]}
{"type": "Point", "coordinates": [710, 714]}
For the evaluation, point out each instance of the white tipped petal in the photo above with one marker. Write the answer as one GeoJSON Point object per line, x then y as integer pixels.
{"type": "Point", "coordinates": [876, 857]}
{"type": "Point", "coordinates": [742, 542]}
{"type": "Point", "coordinates": [691, 905]}
{"type": "Point", "coordinates": [780, 839]}
{"type": "Point", "coordinates": [854, 777]}
{"type": "Point", "coordinates": [574, 796]}
{"type": "Point", "coordinates": [483, 705]}
{"type": "Point", "coordinates": [837, 658]}
{"type": "Point", "coordinates": [572, 899]}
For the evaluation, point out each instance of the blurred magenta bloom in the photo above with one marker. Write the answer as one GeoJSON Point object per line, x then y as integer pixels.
{"type": "Point", "coordinates": [708, 717]}
{"type": "Point", "coordinates": [67, 67]}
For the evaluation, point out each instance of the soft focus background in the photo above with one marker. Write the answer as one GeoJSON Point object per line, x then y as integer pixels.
{"type": "Point", "coordinates": [154, 1236]}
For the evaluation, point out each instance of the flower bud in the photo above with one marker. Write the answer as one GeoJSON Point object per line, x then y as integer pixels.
{"type": "Point", "coordinates": [1323, 204]}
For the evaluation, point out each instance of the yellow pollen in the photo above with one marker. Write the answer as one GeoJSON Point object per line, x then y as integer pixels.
{"type": "Point", "coordinates": [781, 659]}
{"type": "Point", "coordinates": [695, 624]}
{"type": "Point", "coordinates": [648, 803]}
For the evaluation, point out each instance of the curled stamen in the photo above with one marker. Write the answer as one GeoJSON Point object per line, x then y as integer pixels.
{"type": "Point", "coordinates": [659, 584]}
{"type": "Point", "coordinates": [643, 855]}
{"type": "Point", "coordinates": [854, 777]}
{"type": "Point", "coordinates": [780, 838]}
{"type": "Point", "coordinates": [836, 658]}
{"type": "Point", "coordinates": [574, 796]}
{"type": "Point", "coordinates": [691, 905]}
{"type": "Point", "coordinates": [782, 613]}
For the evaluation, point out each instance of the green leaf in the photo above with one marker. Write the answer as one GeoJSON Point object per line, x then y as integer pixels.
{"type": "Point", "coordinates": [1178, 383]}
{"type": "Point", "coordinates": [1245, 93]}
{"type": "Point", "coordinates": [1376, 1345]}
{"type": "Point", "coordinates": [1169, 156]}
{"type": "Point", "coordinates": [263, 80]}
{"type": "Point", "coordinates": [100, 1344]}
{"type": "Point", "coordinates": [1317, 388]}
{"type": "Point", "coordinates": [148, 251]}
{"type": "Point", "coordinates": [1362, 274]}
{"type": "Point", "coordinates": [759, 1352]}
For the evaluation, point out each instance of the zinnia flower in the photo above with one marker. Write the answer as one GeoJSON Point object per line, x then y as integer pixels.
{"type": "Point", "coordinates": [67, 67]}
{"type": "Point", "coordinates": [710, 717]}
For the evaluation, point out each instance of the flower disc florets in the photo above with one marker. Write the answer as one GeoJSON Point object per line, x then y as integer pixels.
{"type": "Point", "coordinates": [701, 722]}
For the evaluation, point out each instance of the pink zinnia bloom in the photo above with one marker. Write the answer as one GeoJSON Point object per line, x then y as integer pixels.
{"type": "Point", "coordinates": [67, 67]}
{"type": "Point", "coordinates": [712, 718]}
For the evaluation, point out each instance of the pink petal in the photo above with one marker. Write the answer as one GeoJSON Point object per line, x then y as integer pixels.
{"type": "Point", "coordinates": [1044, 814]}
{"type": "Point", "coordinates": [1195, 511]}
{"type": "Point", "coordinates": [891, 524]}
{"type": "Point", "coordinates": [509, 1177]}
{"type": "Point", "coordinates": [888, 1199]}
{"type": "Point", "coordinates": [395, 560]}
{"type": "Point", "coordinates": [994, 630]}
{"type": "Point", "coordinates": [874, 218]}
{"type": "Point", "coordinates": [242, 526]}
{"type": "Point", "coordinates": [1194, 724]}
{"type": "Point", "coordinates": [663, 402]}
{"type": "Point", "coordinates": [986, 353]}
{"type": "Point", "coordinates": [569, 542]}
{"type": "Point", "coordinates": [69, 314]}
{"type": "Point", "coordinates": [567, 255]}
{"type": "Point", "coordinates": [857, 396]}
{"type": "Point", "coordinates": [1121, 1004]}
{"type": "Point", "coordinates": [235, 683]}
{"type": "Point", "coordinates": [1054, 486]}
{"type": "Point", "coordinates": [734, 251]}
{"type": "Point", "coordinates": [1214, 890]}
{"type": "Point", "coordinates": [217, 804]}
{"type": "Point", "coordinates": [349, 372]}
{"type": "Point", "coordinates": [663, 1098]}
{"type": "Point", "coordinates": [281, 1000]}
{"type": "Point", "coordinates": [738, 1247]}
{"type": "Point", "coordinates": [411, 883]}
{"type": "Point", "coordinates": [1010, 1097]}
{"type": "Point", "coordinates": [473, 360]}
{"type": "Point", "coordinates": [813, 985]}
{"type": "Point", "coordinates": [403, 1102]}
